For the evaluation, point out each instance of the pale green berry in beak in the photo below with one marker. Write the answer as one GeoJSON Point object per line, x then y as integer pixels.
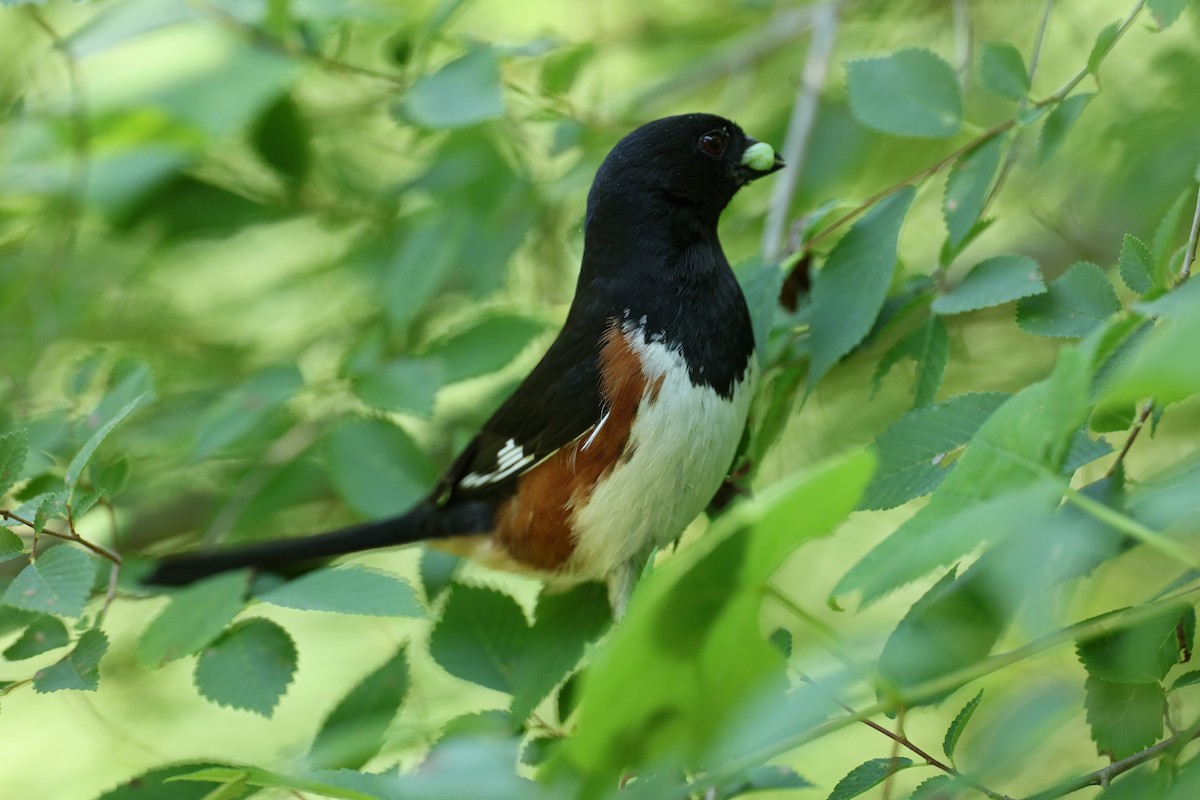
{"type": "Point", "coordinates": [759, 156]}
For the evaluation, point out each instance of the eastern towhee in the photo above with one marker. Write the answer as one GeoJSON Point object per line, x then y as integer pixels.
{"type": "Point", "coordinates": [626, 428]}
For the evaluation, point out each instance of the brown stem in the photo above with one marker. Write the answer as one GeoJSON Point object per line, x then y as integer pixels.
{"type": "Point", "coordinates": [1134, 430]}
{"type": "Point", "coordinates": [70, 537]}
{"type": "Point", "coordinates": [1189, 255]}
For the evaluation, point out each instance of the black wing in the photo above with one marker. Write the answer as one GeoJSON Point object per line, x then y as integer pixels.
{"type": "Point", "coordinates": [556, 403]}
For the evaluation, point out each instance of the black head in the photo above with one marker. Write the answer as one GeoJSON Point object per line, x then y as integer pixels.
{"type": "Point", "coordinates": [693, 160]}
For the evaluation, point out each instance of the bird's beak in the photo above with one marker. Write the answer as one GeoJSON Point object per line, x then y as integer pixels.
{"type": "Point", "coordinates": [758, 160]}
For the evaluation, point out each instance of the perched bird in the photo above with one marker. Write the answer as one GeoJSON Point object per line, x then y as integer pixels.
{"type": "Point", "coordinates": [627, 427]}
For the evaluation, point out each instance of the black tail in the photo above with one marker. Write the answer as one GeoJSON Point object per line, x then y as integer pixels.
{"type": "Point", "coordinates": [425, 521]}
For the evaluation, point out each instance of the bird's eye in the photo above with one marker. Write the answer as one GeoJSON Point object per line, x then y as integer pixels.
{"type": "Point", "coordinates": [713, 143]}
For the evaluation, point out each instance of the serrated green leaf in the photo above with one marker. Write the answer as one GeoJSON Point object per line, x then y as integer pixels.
{"type": "Point", "coordinates": [929, 347]}
{"type": "Point", "coordinates": [488, 344]}
{"type": "Point", "coordinates": [1124, 717]}
{"type": "Point", "coordinates": [59, 582]}
{"type": "Point", "coordinates": [1104, 43]}
{"type": "Point", "coordinates": [405, 384]}
{"type": "Point", "coordinates": [565, 623]}
{"type": "Point", "coordinates": [1080, 301]}
{"type": "Point", "coordinates": [849, 290]}
{"type": "Point", "coordinates": [1001, 479]}
{"type": "Point", "coordinates": [967, 188]}
{"type": "Point", "coordinates": [934, 788]}
{"type": "Point", "coordinates": [992, 282]}
{"type": "Point", "coordinates": [1141, 653]}
{"type": "Point", "coordinates": [254, 776]}
{"type": "Point", "coordinates": [353, 732]}
{"type": "Point", "coordinates": [51, 506]}
{"type": "Point", "coordinates": [437, 569]}
{"type": "Point", "coordinates": [1165, 12]}
{"type": "Point", "coordinates": [244, 409]}
{"type": "Point", "coordinates": [867, 776]}
{"type": "Point", "coordinates": [78, 670]}
{"type": "Point", "coordinates": [195, 616]}
{"type": "Point", "coordinates": [913, 450]}
{"type": "Point", "coordinates": [955, 730]}
{"type": "Point", "coordinates": [44, 633]}
{"type": "Point", "coordinates": [11, 545]}
{"type": "Point", "coordinates": [1059, 123]}
{"type": "Point", "coordinates": [110, 478]}
{"type": "Point", "coordinates": [1136, 264]}
{"type": "Point", "coordinates": [348, 590]}
{"type": "Point", "coordinates": [249, 667]}
{"type": "Point", "coordinates": [75, 468]}
{"type": "Point", "coordinates": [481, 637]}
{"type": "Point", "coordinates": [376, 467]}
{"type": "Point", "coordinates": [14, 446]}
{"type": "Point", "coordinates": [1002, 70]}
{"type": "Point", "coordinates": [909, 93]}
{"type": "Point", "coordinates": [463, 92]}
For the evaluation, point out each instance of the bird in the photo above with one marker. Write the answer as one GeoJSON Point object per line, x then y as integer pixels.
{"type": "Point", "coordinates": [627, 427]}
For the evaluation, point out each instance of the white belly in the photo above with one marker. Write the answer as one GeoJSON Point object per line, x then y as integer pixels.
{"type": "Point", "coordinates": [683, 441]}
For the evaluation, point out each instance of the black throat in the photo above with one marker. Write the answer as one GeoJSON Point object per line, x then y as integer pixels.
{"type": "Point", "coordinates": [656, 264]}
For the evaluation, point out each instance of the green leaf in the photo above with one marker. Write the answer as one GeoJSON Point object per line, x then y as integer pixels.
{"type": "Point", "coordinates": [156, 784]}
{"type": "Point", "coordinates": [282, 139]}
{"type": "Point", "coordinates": [488, 344]}
{"type": "Point", "coordinates": [254, 776]}
{"type": "Point", "coordinates": [14, 446]}
{"type": "Point", "coordinates": [1002, 70]}
{"type": "Point", "coordinates": [1001, 479]}
{"type": "Point", "coordinates": [463, 92]}
{"type": "Point", "coordinates": [51, 506]}
{"type": "Point", "coordinates": [849, 290]}
{"type": "Point", "coordinates": [1161, 368]}
{"type": "Point", "coordinates": [195, 616]}
{"type": "Point", "coordinates": [1186, 679]}
{"type": "Point", "coordinates": [959, 724]}
{"type": "Point", "coordinates": [249, 667]}
{"type": "Point", "coordinates": [244, 410]}
{"type": "Point", "coordinates": [1165, 12]}
{"type": "Point", "coordinates": [1104, 42]}
{"type": "Point", "coordinates": [354, 731]}
{"type": "Point", "coordinates": [437, 572]}
{"type": "Point", "coordinates": [690, 654]}
{"type": "Point", "coordinates": [1059, 123]}
{"type": "Point", "coordinates": [75, 468]}
{"type": "Point", "coordinates": [766, 778]}
{"type": "Point", "coordinates": [1136, 264]}
{"type": "Point", "coordinates": [992, 282]}
{"type": "Point", "coordinates": [867, 776]}
{"type": "Point", "coordinates": [1124, 717]}
{"type": "Point", "coordinates": [11, 545]}
{"type": "Point", "coordinates": [481, 637]}
{"type": "Point", "coordinates": [44, 633]}
{"type": "Point", "coordinates": [1081, 300]}
{"type": "Point", "coordinates": [403, 384]}
{"type": "Point", "coordinates": [909, 93]}
{"type": "Point", "coordinates": [566, 622]}
{"type": "Point", "coordinates": [967, 188]}
{"type": "Point", "coordinates": [913, 451]}
{"type": "Point", "coordinates": [939, 787]}
{"type": "Point", "coordinates": [1141, 653]}
{"type": "Point", "coordinates": [1164, 237]}
{"type": "Point", "coordinates": [348, 590]}
{"type": "Point", "coordinates": [929, 347]}
{"type": "Point", "coordinates": [78, 670]}
{"type": "Point", "coordinates": [59, 582]}
{"type": "Point", "coordinates": [376, 467]}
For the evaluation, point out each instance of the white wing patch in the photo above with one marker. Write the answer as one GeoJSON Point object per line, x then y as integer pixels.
{"type": "Point", "coordinates": [509, 460]}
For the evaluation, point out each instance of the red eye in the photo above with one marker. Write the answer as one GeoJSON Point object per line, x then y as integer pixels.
{"type": "Point", "coordinates": [713, 143]}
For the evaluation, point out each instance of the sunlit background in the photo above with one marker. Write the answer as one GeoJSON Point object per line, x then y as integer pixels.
{"type": "Point", "coordinates": [298, 219]}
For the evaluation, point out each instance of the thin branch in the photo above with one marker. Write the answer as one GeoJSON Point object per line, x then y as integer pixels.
{"type": "Point", "coordinates": [81, 138]}
{"type": "Point", "coordinates": [1103, 776]}
{"type": "Point", "coordinates": [1134, 430]}
{"type": "Point", "coordinates": [70, 537]}
{"type": "Point", "coordinates": [903, 741]}
{"type": "Point", "coordinates": [804, 114]}
{"type": "Point", "coordinates": [1189, 256]}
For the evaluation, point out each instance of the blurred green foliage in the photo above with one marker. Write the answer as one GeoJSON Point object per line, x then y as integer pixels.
{"type": "Point", "coordinates": [265, 266]}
